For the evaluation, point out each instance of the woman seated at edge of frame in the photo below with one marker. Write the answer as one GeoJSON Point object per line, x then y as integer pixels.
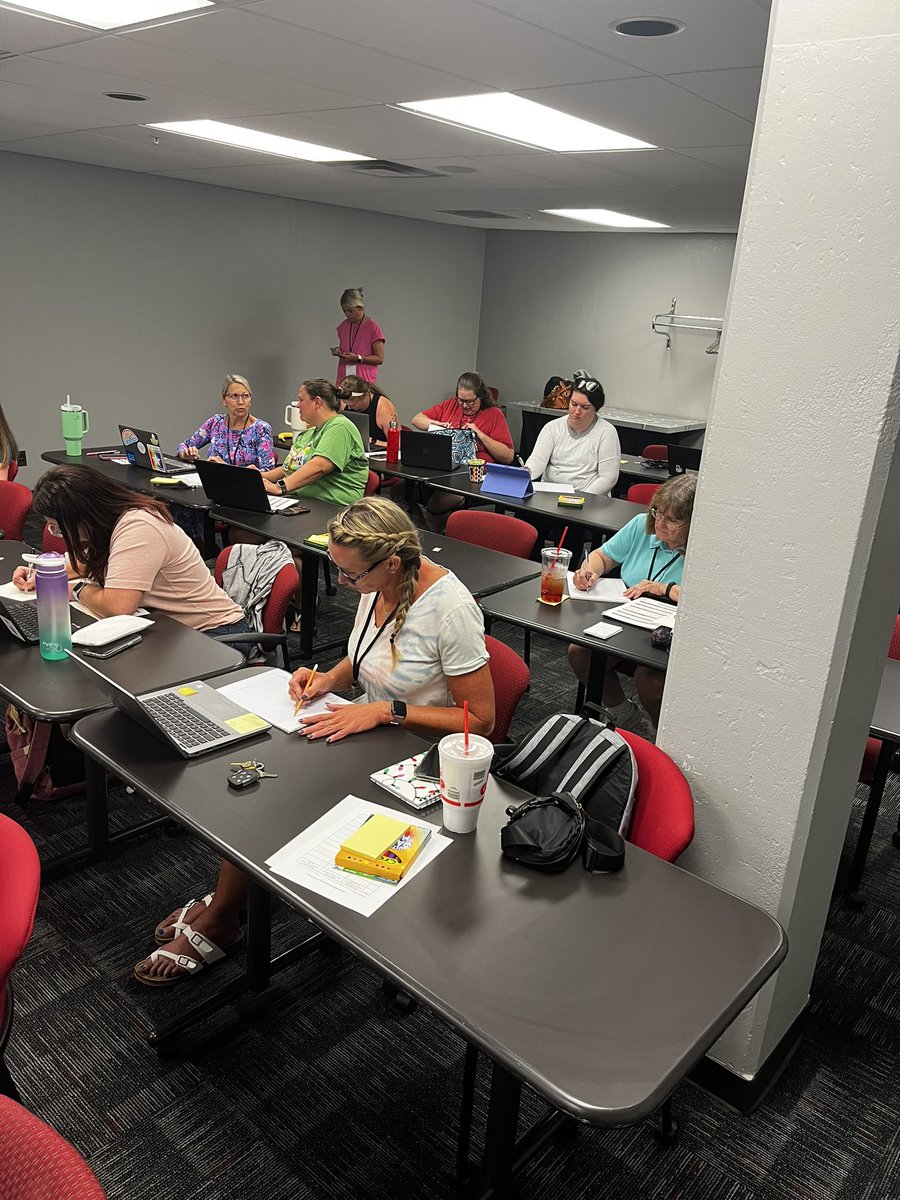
{"type": "Point", "coordinates": [359, 395]}
{"type": "Point", "coordinates": [650, 552]}
{"type": "Point", "coordinates": [9, 451]}
{"type": "Point", "coordinates": [235, 437]}
{"type": "Point", "coordinates": [124, 552]}
{"type": "Point", "coordinates": [417, 648]}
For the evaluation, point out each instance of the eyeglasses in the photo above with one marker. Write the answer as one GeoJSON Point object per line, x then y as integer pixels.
{"type": "Point", "coordinates": [355, 579]}
{"type": "Point", "coordinates": [237, 396]}
{"type": "Point", "coordinates": [664, 518]}
{"type": "Point", "coordinates": [467, 403]}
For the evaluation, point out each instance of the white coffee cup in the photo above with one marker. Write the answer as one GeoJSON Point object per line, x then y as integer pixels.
{"type": "Point", "coordinates": [464, 779]}
{"type": "Point", "coordinates": [293, 419]}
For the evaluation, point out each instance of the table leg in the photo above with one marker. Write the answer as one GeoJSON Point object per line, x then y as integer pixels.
{"type": "Point", "coordinates": [495, 1175]}
{"type": "Point", "coordinates": [210, 549]}
{"type": "Point", "coordinates": [97, 807]}
{"type": "Point", "coordinates": [309, 586]}
{"type": "Point", "coordinates": [596, 677]}
{"type": "Point", "coordinates": [259, 937]}
{"type": "Point", "coordinates": [870, 816]}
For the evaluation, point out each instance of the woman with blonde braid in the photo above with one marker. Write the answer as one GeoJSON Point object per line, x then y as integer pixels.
{"type": "Point", "coordinates": [417, 648]}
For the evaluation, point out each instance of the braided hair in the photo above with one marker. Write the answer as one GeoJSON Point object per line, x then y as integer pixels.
{"type": "Point", "coordinates": [377, 529]}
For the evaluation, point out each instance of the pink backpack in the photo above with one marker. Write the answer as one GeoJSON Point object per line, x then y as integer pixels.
{"type": "Point", "coordinates": [47, 765]}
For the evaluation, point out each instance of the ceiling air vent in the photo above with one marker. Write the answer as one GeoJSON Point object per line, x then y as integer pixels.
{"type": "Point", "coordinates": [476, 214]}
{"type": "Point", "coordinates": [384, 169]}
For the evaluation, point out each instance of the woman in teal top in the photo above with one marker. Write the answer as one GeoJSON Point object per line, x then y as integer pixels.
{"type": "Point", "coordinates": [649, 552]}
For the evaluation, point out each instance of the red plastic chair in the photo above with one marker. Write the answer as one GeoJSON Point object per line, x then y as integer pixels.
{"type": "Point", "coordinates": [657, 451]}
{"type": "Point", "coordinates": [50, 542]}
{"type": "Point", "coordinates": [662, 820]}
{"type": "Point", "coordinates": [373, 483]}
{"type": "Point", "coordinates": [287, 581]}
{"type": "Point", "coordinates": [641, 493]}
{"type": "Point", "coordinates": [20, 882]}
{"type": "Point", "coordinates": [510, 677]}
{"type": "Point", "coordinates": [493, 530]}
{"type": "Point", "coordinates": [495, 394]}
{"type": "Point", "coordinates": [13, 471]}
{"type": "Point", "coordinates": [15, 505]}
{"type": "Point", "coordinates": [37, 1163]}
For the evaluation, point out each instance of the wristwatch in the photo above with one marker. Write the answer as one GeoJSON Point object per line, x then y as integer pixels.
{"type": "Point", "coordinates": [359, 358]}
{"type": "Point", "coordinates": [78, 587]}
{"type": "Point", "coordinates": [282, 487]}
{"type": "Point", "coordinates": [398, 712]}
{"type": "Point", "coordinates": [668, 592]}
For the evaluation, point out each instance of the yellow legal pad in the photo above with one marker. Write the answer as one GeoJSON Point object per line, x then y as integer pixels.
{"type": "Point", "coordinates": [318, 539]}
{"type": "Point", "coordinates": [383, 847]}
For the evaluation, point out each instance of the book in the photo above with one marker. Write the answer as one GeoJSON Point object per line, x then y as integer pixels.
{"type": "Point", "coordinates": [382, 848]}
{"type": "Point", "coordinates": [400, 780]}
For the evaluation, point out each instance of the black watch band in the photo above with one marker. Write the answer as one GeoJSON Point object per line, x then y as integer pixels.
{"type": "Point", "coordinates": [282, 487]}
{"type": "Point", "coordinates": [669, 590]}
{"type": "Point", "coordinates": [398, 712]}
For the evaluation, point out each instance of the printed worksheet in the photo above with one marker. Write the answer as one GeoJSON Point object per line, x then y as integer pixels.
{"type": "Point", "coordinates": [266, 694]}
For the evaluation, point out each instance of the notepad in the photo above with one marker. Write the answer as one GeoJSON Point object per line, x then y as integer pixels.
{"type": "Point", "coordinates": [318, 539]}
{"type": "Point", "coordinates": [382, 848]}
{"type": "Point", "coordinates": [644, 612]}
{"type": "Point", "coordinates": [266, 694]}
{"type": "Point", "coordinates": [607, 590]}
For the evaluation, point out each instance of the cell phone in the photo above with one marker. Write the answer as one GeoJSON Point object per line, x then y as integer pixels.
{"type": "Point", "coordinates": [295, 508]}
{"type": "Point", "coordinates": [112, 649]}
{"type": "Point", "coordinates": [429, 767]}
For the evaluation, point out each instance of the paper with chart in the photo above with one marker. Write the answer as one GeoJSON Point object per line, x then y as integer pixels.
{"type": "Point", "coordinates": [605, 589]}
{"type": "Point", "coordinates": [309, 858]}
{"type": "Point", "coordinates": [265, 693]}
{"type": "Point", "coordinates": [643, 612]}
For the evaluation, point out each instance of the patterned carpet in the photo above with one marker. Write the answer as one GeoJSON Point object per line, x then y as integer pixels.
{"type": "Point", "coordinates": [325, 1090]}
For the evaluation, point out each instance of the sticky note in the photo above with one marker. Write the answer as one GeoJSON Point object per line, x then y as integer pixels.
{"type": "Point", "coordinates": [246, 723]}
{"type": "Point", "coordinates": [187, 691]}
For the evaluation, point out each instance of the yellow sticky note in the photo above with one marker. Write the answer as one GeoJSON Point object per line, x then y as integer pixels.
{"type": "Point", "coordinates": [187, 691]}
{"type": "Point", "coordinates": [375, 835]}
{"type": "Point", "coordinates": [318, 539]}
{"type": "Point", "coordinates": [246, 723]}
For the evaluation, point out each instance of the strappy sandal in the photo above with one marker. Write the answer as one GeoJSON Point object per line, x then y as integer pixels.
{"type": "Point", "coordinates": [161, 935]}
{"type": "Point", "coordinates": [209, 953]}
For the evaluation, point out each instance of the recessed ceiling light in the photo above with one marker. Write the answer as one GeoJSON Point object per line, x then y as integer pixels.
{"type": "Point", "coordinates": [648, 27]}
{"type": "Point", "coordinates": [514, 119]}
{"type": "Point", "coordinates": [133, 96]}
{"type": "Point", "coordinates": [253, 139]}
{"type": "Point", "coordinates": [605, 216]}
{"type": "Point", "coordinates": [111, 14]}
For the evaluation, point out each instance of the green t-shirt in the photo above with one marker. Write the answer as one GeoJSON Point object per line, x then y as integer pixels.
{"type": "Point", "coordinates": [338, 440]}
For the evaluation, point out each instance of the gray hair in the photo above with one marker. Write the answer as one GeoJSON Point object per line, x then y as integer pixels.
{"type": "Point", "coordinates": [352, 298]}
{"type": "Point", "coordinates": [230, 379]}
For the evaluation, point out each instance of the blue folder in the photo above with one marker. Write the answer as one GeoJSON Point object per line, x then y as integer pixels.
{"type": "Point", "coordinates": [501, 480]}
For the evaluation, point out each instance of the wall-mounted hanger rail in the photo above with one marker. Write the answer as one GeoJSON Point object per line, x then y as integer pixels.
{"type": "Point", "coordinates": [665, 322]}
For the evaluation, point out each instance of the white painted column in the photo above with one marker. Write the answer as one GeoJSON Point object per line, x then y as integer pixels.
{"type": "Point", "coordinates": [793, 572]}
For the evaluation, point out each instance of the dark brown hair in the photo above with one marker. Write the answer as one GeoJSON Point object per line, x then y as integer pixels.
{"type": "Point", "coordinates": [676, 496]}
{"type": "Point", "coordinates": [86, 506]}
{"type": "Point", "coordinates": [8, 449]}
{"type": "Point", "coordinates": [472, 382]}
{"type": "Point", "coordinates": [322, 389]}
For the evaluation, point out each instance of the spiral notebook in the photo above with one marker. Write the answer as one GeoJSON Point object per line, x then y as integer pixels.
{"type": "Point", "coordinates": [400, 780]}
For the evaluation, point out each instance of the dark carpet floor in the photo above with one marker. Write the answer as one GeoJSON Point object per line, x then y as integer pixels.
{"type": "Point", "coordinates": [324, 1090]}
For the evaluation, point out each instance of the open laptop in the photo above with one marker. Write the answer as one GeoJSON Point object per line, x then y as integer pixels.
{"type": "Point", "coordinates": [683, 458]}
{"type": "Point", "coordinates": [21, 619]}
{"type": "Point", "coordinates": [193, 717]}
{"type": "Point", "coordinates": [142, 449]}
{"type": "Point", "coordinates": [432, 450]}
{"type": "Point", "coordinates": [242, 487]}
{"type": "Point", "coordinates": [361, 421]}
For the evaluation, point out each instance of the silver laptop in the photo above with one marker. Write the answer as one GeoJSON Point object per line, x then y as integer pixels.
{"type": "Point", "coordinates": [143, 449]}
{"type": "Point", "coordinates": [193, 717]}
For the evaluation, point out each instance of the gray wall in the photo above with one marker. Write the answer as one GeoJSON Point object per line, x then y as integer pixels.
{"type": "Point", "coordinates": [136, 294]}
{"type": "Point", "coordinates": [553, 302]}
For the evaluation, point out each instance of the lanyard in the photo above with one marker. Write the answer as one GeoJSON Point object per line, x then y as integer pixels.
{"type": "Point", "coordinates": [353, 336]}
{"type": "Point", "coordinates": [360, 654]}
{"type": "Point", "coordinates": [662, 570]}
{"type": "Point", "coordinates": [237, 445]}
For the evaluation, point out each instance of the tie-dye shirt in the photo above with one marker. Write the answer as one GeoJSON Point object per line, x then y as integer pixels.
{"type": "Point", "coordinates": [443, 635]}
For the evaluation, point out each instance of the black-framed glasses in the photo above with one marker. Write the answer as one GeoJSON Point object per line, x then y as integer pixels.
{"type": "Point", "coordinates": [664, 518]}
{"type": "Point", "coordinates": [467, 403]}
{"type": "Point", "coordinates": [354, 579]}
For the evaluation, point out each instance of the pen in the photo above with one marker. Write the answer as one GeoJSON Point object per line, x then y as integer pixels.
{"type": "Point", "coordinates": [309, 684]}
{"type": "Point", "coordinates": [586, 567]}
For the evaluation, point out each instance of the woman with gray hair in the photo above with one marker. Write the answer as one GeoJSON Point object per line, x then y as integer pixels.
{"type": "Point", "coordinates": [360, 339]}
{"type": "Point", "coordinates": [235, 436]}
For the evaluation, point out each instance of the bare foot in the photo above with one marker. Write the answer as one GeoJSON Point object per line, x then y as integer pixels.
{"type": "Point", "coordinates": [222, 929]}
{"type": "Point", "coordinates": [165, 930]}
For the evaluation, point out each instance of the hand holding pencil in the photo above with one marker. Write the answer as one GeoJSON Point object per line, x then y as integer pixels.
{"type": "Point", "coordinates": [305, 685]}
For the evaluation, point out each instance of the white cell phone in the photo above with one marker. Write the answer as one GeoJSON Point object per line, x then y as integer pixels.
{"type": "Point", "coordinates": [603, 630]}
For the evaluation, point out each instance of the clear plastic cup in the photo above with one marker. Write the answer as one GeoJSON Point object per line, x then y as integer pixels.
{"type": "Point", "coordinates": [554, 565]}
{"type": "Point", "coordinates": [464, 778]}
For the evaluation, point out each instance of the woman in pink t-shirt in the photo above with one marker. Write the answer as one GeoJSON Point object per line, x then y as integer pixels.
{"type": "Point", "coordinates": [360, 339]}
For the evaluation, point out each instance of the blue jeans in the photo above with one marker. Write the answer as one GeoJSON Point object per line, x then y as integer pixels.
{"type": "Point", "coordinates": [248, 649]}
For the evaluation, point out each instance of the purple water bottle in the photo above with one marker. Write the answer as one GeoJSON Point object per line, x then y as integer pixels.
{"type": "Point", "coordinates": [54, 620]}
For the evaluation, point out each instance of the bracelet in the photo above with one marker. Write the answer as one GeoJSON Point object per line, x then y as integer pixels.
{"type": "Point", "coordinates": [668, 592]}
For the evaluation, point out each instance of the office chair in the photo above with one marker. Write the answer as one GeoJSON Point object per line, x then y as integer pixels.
{"type": "Point", "coordinates": [15, 505]}
{"type": "Point", "coordinates": [662, 820]}
{"type": "Point", "coordinates": [50, 543]}
{"type": "Point", "coordinates": [20, 882]}
{"type": "Point", "coordinates": [510, 677]}
{"type": "Point", "coordinates": [13, 471]}
{"type": "Point", "coordinates": [641, 493]}
{"type": "Point", "coordinates": [273, 615]}
{"type": "Point", "coordinates": [656, 451]}
{"type": "Point", "coordinates": [37, 1163]}
{"type": "Point", "coordinates": [497, 532]}
{"type": "Point", "coordinates": [495, 394]}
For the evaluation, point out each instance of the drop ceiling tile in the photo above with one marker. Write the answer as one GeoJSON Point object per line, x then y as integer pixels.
{"type": "Point", "coordinates": [21, 33]}
{"type": "Point", "coordinates": [598, 170]}
{"type": "Point", "coordinates": [730, 158]}
{"type": "Point", "coordinates": [128, 154]}
{"type": "Point", "coordinates": [294, 179]}
{"type": "Point", "coordinates": [667, 167]}
{"type": "Point", "coordinates": [717, 33]}
{"type": "Point", "coordinates": [477, 41]}
{"type": "Point", "coordinates": [651, 109]}
{"type": "Point", "coordinates": [736, 90]}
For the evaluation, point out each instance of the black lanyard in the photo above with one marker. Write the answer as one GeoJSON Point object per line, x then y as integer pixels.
{"type": "Point", "coordinates": [237, 445]}
{"type": "Point", "coordinates": [359, 658]}
{"type": "Point", "coordinates": [351, 337]}
{"type": "Point", "coordinates": [662, 570]}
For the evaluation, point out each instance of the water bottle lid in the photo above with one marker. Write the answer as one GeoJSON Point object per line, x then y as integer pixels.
{"type": "Point", "coordinates": [50, 562]}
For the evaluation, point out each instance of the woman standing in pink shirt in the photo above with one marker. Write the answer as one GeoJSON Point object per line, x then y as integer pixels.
{"type": "Point", "coordinates": [360, 339]}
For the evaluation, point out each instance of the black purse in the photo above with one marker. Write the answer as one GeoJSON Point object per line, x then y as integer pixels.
{"type": "Point", "coordinates": [547, 832]}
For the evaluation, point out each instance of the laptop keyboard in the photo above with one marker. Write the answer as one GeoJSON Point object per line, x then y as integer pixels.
{"type": "Point", "coordinates": [182, 723]}
{"type": "Point", "coordinates": [23, 614]}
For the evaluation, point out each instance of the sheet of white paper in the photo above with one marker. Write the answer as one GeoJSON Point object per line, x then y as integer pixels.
{"type": "Point", "coordinates": [559, 489]}
{"type": "Point", "coordinates": [644, 612]}
{"type": "Point", "coordinates": [266, 694]}
{"type": "Point", "coordinates": [279, 503]}
{"type": "Point", "coordinates": [9, 591]}
{"type": "Point", "coordinates": [604, 589]}
{"type": "Point", "coordinates": [191, 478]}
{"type": "Point", "coordinates": [309, 858]}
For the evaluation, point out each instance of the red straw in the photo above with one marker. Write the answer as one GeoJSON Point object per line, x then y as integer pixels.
{"type": "Point", "coordinates": [559, 547]}
{"type": "Point", "coordinates": [466, 723]}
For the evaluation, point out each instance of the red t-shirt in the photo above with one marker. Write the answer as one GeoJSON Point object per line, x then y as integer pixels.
{"type": "Point", "coordinates": [489, 420]}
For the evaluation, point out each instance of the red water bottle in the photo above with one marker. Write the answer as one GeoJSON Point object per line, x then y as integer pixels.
{"type": "Point", "coordinates": [392, 453]}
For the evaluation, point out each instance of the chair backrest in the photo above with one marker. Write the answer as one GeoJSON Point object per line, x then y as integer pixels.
{"type": "Point", "coordinates": [50, 542]}
{"type": "Point", "coordinates": [20, 883]}
{"type": "Point", "coordinates": [657, 451]}
{"type": "Point", "coordinates": [641, 493]}
{"type": "Point", "coordinates": [284, 586]}
{"type": "Point", "coordinates": [373, 483]}
{"type": "Point", "coordinates": [13, 470]}
{"type": "Point", "coordinates": [510, 677]}
{"type": "Point", "coordinates": [662, 821]}
{"type": "Point", "coordinates": [495, 393]}
{"type": "Point", "coordinates": [894, 649]}
{"type": "Point", "coordinates": [15, 505]}
{"type": "Point", "coordinates": [494, 530]}
{"type": "Point", "coordinates": [38, 1163]}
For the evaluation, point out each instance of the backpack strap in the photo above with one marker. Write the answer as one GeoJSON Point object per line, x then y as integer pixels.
{"type": "Point", "coordinates": [602, 848]}
{"type": "Point", "coordinates": [34, 756]}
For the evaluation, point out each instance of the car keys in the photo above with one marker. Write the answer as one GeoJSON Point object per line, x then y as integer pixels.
{"type": "Point", "coordinates": [241, 777]}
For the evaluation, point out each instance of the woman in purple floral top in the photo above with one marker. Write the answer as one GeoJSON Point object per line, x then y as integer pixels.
{"type": "Point", "coordinates": [234, 436]}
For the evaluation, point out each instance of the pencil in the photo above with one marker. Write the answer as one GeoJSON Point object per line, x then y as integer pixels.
{"type": "Point", "coordinates": [309, 683]}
